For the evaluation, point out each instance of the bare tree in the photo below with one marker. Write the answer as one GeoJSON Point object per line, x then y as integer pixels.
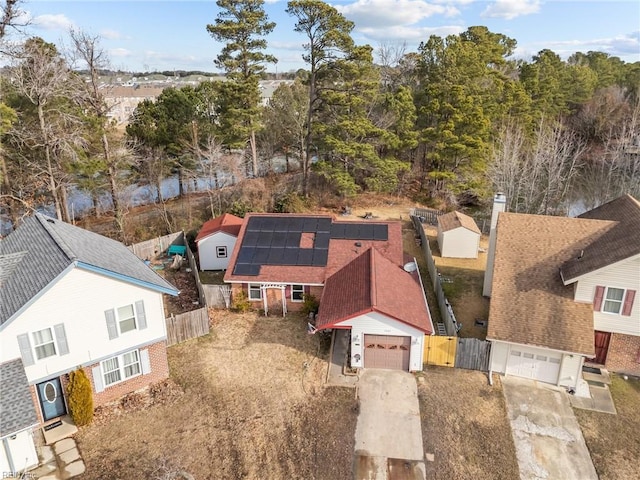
{"type": "Point", "coordinates": [87, 53]}
{"type": "Point", "coordinates": [536, 178]}
{"type": "Point", "coordinates": [43, 78]}
{"type": "Point", "coordinates": [11, 16]}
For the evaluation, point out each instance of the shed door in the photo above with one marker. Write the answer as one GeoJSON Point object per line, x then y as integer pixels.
{"type": "Point", "coordinates": [387, 351]}
{"type": "Point", "coordinates": [535, 364]}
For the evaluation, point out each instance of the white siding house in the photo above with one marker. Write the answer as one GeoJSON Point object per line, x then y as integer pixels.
{"type": "Point", "coordinates": [458, 236]}
{"type": "Point", "coordinates": [71, 299]}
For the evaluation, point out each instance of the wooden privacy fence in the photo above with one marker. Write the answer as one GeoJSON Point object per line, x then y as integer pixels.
{"type": "Point", "coordinates": [426, 215]}
{"type": "Point", "coordinates": [187, 325]}
{"type": "Point", "coordinates": [150, 249]}
{"type": "Point", "coordinates": [439, 351]}
{"type": "Point", "coordinates": [217, 296]}
{"type": "Point", "coordinates": [469, 353]}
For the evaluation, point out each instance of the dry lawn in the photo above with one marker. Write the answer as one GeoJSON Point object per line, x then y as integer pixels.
{"type": "Point", "coordinates": [614, 440]}
{"type": "Point", "coordinates": [465, 426]}
{"type": "Point", "coordinates": [253, 407]}
{"type": "Point", "coordinates": [465, 290]}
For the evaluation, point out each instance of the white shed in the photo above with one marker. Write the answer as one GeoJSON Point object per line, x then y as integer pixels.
{"type": "Point", "coordinates": [216, 240]}
{"type": "Point", "coordinates": [458, 235]}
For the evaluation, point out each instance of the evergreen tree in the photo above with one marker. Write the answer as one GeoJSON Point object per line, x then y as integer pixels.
{"type": "Point", "coordinates": [80, 398]}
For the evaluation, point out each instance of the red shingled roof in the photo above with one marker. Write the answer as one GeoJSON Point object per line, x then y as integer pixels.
{"type": "Point", "coordinates": [371, 282]}
{"type": "Point", "coordinates": [224, 223]}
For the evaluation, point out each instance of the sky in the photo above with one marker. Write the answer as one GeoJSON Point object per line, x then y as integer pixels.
{"type": "Point", "coordinates": [145, 35]}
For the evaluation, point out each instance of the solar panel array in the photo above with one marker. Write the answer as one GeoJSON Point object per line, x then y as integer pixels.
{"type": "Point", "coordinates": [276, 241]}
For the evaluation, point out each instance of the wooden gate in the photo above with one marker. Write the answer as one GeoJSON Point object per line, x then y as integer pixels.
{"type": "Point", "coordinates": [439, 350]}
{"type": "Point", "coordinates": [473, 354]}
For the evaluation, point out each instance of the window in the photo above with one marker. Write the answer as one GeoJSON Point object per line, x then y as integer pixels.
{"type": "Point", "coordinates": [126, 318]}
{"type": "Point", "coordinates": [44, 344]}
{"type": "Point", "coordinates": [255, 292]}
{"type": "Point", "coordinates": [613, 300]}
{"type": "Point", "coordinates": [221, 252]}
{"type": "Point", "coordinates": [121, 368]}
{"type": "Point", "coordinates": [297, 293]}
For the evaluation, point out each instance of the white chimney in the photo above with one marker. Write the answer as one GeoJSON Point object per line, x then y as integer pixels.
{"type": "Point", "coordinates": [499, 205]}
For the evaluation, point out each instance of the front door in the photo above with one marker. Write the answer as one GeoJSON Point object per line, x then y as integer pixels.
{"type": "Point", "coordinates": [51, 399]}
{"type": "Point", "coordinates": [602, 347]}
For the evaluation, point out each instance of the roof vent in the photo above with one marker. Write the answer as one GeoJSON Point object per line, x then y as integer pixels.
{"type": "Point", "coordinates": [581, 255]}
{"type": "Point", "coordinates": [50, 220]}
{"type": "Point", "coordinates": [410, 267]}
{"type": "Point", "coordinates": [358, 244]}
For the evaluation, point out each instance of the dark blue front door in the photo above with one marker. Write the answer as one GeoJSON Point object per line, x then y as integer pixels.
{"type": "Point", "coordinates": [51, 399]}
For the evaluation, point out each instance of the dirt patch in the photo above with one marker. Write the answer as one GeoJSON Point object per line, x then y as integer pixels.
{"type": "Point", "coordinates": [253, 407]}
{"type": "Point", "coordinates": [465, 426]}
{"type": "Point", "coordinates": [613, 440]}
{"type": "Point", "coordinates": [463, 279]}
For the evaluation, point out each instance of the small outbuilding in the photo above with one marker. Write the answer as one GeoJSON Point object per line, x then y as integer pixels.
{"type": "Point", "coordinates": [216, 240]}
{"type": "Point", "coordinates": [458, 235]}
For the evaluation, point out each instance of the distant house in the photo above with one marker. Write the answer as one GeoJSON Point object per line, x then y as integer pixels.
{"type": "Point", "coordinates": [458, 235]}
{"type": "Point", "coordinates": [216, 240]}
{"type": "Point", "coordinates": [564, 293]}
{"type": "Point", "coordinates": [71, 298]}
{"type": "Point", "coordinates": [356, 271]}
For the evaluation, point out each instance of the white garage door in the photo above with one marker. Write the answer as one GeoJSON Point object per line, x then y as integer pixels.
{"type": "Point", "coordinates": [535, 364]}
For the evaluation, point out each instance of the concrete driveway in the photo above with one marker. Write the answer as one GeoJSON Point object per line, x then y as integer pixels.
{"type": "Point", "coordinates": [388, 432]}
{"type": "Point", "coordinates": [549, 442]}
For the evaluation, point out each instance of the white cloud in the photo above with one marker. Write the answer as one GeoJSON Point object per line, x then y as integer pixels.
{"type": "Point", "coordinates": [111, 34]}
{"type": "Point", "coordinates": [278, 45]}
{"type": "Point", "coordinates": [387, 13]}
{"type": "Point", "coordinates": [510, 9]}
{"type": "Point", "coordinates": [119, 52]}
{"type": "Point", "coordinates": [52, 22]}
{"type": "Point", "coordinates": [409, 34]}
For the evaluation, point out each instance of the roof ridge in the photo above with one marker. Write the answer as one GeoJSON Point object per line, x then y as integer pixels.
{"type": "Point", "coordinates": [372, 263]}
{"type": "Point", "coordinates": [44, 220]}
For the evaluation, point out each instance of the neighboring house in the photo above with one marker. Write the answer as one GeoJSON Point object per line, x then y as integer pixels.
{"type": "Point", "coordinates": [71, 298]}
{"type": "Point", "coordinates": [216, 240]}
{"type": "Point", "coordinates": [356, 271]}
{"type": "Point", "coordinates": [564, 293]}
{"type": "Point", "coordinates": [458, 235]}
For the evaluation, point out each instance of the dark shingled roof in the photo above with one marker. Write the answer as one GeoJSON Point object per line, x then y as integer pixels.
{"type": "Point", "coordinates": [53, 246]}
{"type": "Point", "coordinates": [616, 244]}
{"type": "Point", "coordinates": [16, 405]}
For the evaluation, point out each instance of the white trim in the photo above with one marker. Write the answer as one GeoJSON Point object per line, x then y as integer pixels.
{"type": "Point", "coordinates": [135, 318]}
{"type": "Point", "coordinates": [35, 347]}
{"type": "Point", "coordinates": [297, 291]}
{"type": "Point", "coordinates": [259, 290]}
{"type": "Point", "coordinates": [120, 369]}
{"type": "Point", "coordinates": [531, 345]}
{"type": "Point", "coordinates": [605, 300]}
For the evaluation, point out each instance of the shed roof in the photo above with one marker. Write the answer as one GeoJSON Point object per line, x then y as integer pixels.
{"type": "Point", "coordinates": [616, 244]}
{"type": "Point", "coordinates": [17, 411]}
{"type": "Point", "coordinates": [452, 220]}
{"type": "Point", "coordinates": [529, 302]}
{"type": "Point", "coordinates": [226, 222]}
{"type": "Point", "coordinates": [50, 247]}
{"type": "Point", "coordinates": [371, 282]}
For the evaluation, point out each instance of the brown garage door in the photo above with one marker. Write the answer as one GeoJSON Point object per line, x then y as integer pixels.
{"type": "Point", "coordinates": [387, 351]}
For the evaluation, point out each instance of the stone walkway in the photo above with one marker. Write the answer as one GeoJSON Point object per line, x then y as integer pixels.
{"type": "Point", "coordinates": [60, 458]}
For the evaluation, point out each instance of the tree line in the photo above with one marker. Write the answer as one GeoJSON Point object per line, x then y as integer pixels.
{"type": "Point", "coordinates": [450, 122]}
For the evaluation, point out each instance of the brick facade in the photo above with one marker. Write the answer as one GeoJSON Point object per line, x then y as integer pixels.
{"type": "Point", "coordinates": [316, 291]}
{"type": "Point", "coordinates": [159, 371]}
{"type": "Point", "coordinates": [624, 354]}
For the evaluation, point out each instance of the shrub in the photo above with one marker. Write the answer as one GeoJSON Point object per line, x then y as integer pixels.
{"type": "Point", "coordinates": [80, 398]}
{"type": "Point", "coordinates": [310, 304]}
{"type": "Point", "coordinates": [241, 302]}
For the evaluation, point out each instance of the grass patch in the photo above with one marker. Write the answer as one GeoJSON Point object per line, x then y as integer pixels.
{"type": "Point", "coordinates": [212, 277]}
{"type": "Point", "coordinates": [613, 440]}
{"type": "Point", "coordinates": [465, 426]}
{"type": "Point", "coordinates": [252, 406]}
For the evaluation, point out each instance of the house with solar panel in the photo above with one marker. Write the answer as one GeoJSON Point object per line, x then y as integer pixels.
{"type": "Point", "coordinates": [356, 269]}
{"type": "Point", "coordinates": [71, 298]}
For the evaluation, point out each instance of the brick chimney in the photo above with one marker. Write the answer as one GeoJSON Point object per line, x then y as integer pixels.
{"type": "Point", "coordinates": [499, 205]}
